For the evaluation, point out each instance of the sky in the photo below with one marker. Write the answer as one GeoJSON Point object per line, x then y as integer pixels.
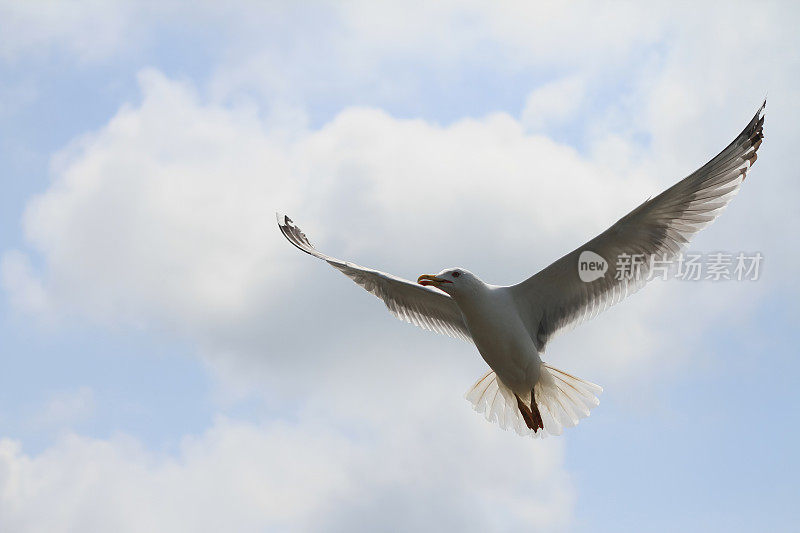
{"type": "Point", "coordinates": [169, 363]}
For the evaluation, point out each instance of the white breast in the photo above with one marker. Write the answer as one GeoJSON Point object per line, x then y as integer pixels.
{"type": "Point", "coordinates": [502, 338]}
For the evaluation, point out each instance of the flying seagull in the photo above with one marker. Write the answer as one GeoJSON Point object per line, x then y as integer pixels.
{"type": "Point", "coordinates": [511, 325]}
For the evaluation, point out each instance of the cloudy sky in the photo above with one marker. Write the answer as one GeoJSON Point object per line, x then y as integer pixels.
{"type": "Point", "coordinates": [169, 363]}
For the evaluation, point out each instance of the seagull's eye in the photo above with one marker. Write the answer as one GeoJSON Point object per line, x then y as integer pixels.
{"type": "Point", "coordinates": [456, 274]}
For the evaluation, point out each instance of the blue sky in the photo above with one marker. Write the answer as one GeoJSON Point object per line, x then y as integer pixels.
{"type": "Point", "coordinates": [171, 364]}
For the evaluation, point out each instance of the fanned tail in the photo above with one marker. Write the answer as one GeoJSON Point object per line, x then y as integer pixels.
{"type": "Point", "coordinates": [562, 399]}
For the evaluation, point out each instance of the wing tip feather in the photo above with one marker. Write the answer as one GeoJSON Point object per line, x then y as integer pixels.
{"type": "Point", "coordinates": [295, 235]}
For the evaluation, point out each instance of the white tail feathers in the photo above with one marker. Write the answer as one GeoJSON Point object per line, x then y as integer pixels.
{"type": "Point", "coordinates": [562, 399]}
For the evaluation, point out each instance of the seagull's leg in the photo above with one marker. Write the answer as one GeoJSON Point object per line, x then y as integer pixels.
{"type": "Point", "coordinates": [527, 415]}
{"type": "Point", "coordinates": [535, 414]}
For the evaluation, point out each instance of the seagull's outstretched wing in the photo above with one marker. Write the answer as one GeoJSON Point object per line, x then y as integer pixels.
{"type": "Point", "coordinates": [556, 298]}
{"type": "Point", "coordinates": [427, 308]}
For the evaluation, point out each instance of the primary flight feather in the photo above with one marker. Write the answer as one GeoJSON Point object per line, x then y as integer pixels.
{"type": "Point", "coordinates": [511, 325]}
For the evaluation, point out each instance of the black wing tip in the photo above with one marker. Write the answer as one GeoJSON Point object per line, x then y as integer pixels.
{"type": "Point", "coordinates": [757, 135]}
{"type": "Point", "coordinates": [285, 224]}
{"type": "Point", "coordinates": [757, 123]}
{"type": "Point", "coordinates": [754, 136]}
{"type": "Point", "coordinates": [750, 138]}
{"type": "Point", "coordinates": [294, 234]}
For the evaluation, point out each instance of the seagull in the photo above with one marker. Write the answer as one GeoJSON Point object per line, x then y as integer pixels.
{"type": "Point", "coordinates": [512, 325]}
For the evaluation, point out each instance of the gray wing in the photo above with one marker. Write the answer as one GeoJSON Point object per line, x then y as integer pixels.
{"type": "Point", "coordinates": [427, 308]}
{"type": "Point", "coordinates": [555, 298]}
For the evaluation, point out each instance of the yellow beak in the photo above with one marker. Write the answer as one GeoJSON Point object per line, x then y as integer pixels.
{"type": "Point", "coordinates": [430, 279]}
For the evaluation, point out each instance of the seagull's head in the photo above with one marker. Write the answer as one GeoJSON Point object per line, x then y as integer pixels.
{"type": "Point", "coordinates": [453, 281]}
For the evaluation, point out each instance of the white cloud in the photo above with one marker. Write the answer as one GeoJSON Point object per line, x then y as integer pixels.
{"type": "Point", "coordinates": [90, 30]}
{"type": "Point", "coordinates": [309, 475]}
{"type": "Point", "coordinates": [367, 51]}
{"type": "Point", "coordinates": [552, 103]}
{"type": "Point", "coordinates": [358, 36]}
{"type": "Point", "coordinates": [184, 240]}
